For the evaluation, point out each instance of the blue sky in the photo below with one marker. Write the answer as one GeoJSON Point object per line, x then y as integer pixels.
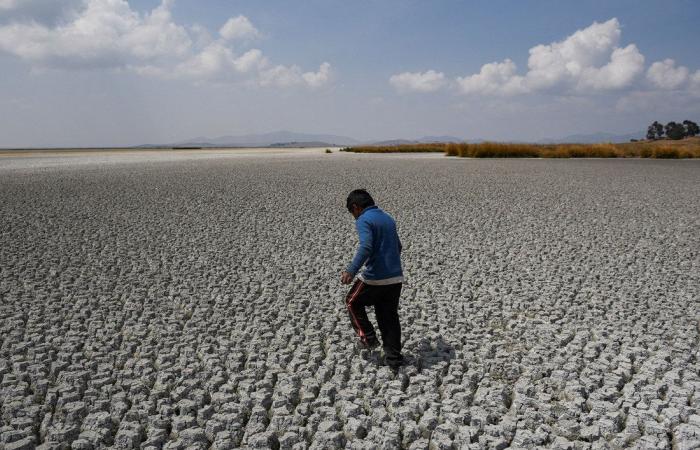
{"type": "Point", "coordinates": [111, 72]}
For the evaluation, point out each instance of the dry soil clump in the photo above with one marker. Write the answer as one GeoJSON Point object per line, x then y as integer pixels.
{"type": "Point", "coordinates": [196, 304]}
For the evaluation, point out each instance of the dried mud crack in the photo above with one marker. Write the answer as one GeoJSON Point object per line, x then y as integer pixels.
{"type": "Point", "coordinates": [196, 304]}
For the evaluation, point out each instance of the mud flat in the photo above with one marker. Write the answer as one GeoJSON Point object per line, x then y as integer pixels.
{"type": "Point", "coordinates": [193, 302]}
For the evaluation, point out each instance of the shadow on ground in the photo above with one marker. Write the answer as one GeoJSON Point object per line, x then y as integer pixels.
{"type": "Point", "coordinates": [431, 351]}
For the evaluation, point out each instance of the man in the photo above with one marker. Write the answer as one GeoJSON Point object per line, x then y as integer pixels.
{"type": "Point", "coordinates": [379, 285]}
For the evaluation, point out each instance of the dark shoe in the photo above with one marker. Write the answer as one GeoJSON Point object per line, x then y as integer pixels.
{"type": "Point", "coordinates": [367, 346]}
{"type": "Point", "coordinates": [394, 365]}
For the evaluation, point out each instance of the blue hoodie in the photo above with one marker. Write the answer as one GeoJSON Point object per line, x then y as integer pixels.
{"type": "Point", "coordinates": [379, 249]}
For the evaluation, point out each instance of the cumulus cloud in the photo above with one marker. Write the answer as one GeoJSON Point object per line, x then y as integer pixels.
{"type": "Point", "coordinates": [665, 75]}
{"type": "Point", "coordinates": [318, 79]}
{"type": "Point", "coordinates": [494, 78]}
{"type": "Point", "coordinates": [695, 83]}
{"type": "Point", "coordinates": [418, 82]}
{"type": "Point", "coordinates": [238, 28]}
{"type": "Point", "coordinates": [624, 67]}
{"type": "Point", "coordinates": [214, 62]}
{"type": "Point", "coordinates": [286, 76]}
{"type": "Point", "coordinates": [109, 34]}
{"type": "Point", "coordinates": [574, 60]}
{"type": "Point", "coordinates": [589, 61]}
{"type": "Point", "coordinates": [42, 11]}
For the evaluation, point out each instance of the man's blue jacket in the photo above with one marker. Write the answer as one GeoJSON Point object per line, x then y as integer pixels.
{"type": "Point", "coordinates": [379, 249]}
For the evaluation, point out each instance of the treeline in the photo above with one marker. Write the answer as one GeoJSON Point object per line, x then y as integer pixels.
{"type": "Point", "coordinates": [672, 130]}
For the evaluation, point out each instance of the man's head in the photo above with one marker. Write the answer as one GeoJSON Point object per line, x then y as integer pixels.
{"type": "Point", "coordinates": [357, 201]}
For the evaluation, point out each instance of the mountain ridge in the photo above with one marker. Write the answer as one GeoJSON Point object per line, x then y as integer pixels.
{"type": "Point", "coordinates": [592, 138]}
{"type": "Point", "coordinates": [267, 139]}
{"type": "Point", "coordinates": [284, 138]}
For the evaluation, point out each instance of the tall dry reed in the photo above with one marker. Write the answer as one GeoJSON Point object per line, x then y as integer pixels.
{"type": "Point", "coordinates": [688, 148]}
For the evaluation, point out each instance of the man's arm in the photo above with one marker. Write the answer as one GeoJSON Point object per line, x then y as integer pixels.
{"type": "Point", "coordinates": [364, 250]}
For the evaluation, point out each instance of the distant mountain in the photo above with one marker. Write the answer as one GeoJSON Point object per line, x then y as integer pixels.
{"type": "Point", "coordinates": [431, 139]}
{"type": "Point", "coordinates": [593, 138]}
{"type": "Point", "coordinates": [422, 140]}
{"type": "Point", "coordinates": [392, 142]}
{"type": "Point", "coordinates": [276, 138]}
{"type": "Point", "coordinates": [295, 144]}
{"type": "Point", "coordinates": [292, 139]}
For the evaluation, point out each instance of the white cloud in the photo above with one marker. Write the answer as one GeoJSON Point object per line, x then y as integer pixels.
{"type": "Point", "coordinates": [588, 61]}
{"type": "Point", "coordinates": [238, 28]}
{"type": "Point", "coordinates": [155, 35]}
{"type": "Point", "coordinates": [281, 76]}
{"type": "Point", "coordinates": [695, 83]}
{"type": "Point", "coordinates": [109, 34]}
{"type": "Point", "coordinates": [318, 79]}
{"type": "Point", "coordinates": [494, 78]}
{"type": "Point", "coordinates": [287, 76]}
{"type": "Point", "coordinates": [211, 61]}
{"type": "Point", "coordinates": [41, 11]}
{"type": "Point", "coordinates": [250, 60]}
{"type": "Point", "coordinates": [624, 67]}
{"type": "Point", "coordinates": [563, 64]}
{"type": "Point", "coordinates": [429, 81]}
{"type": "Point", "coordinates": [665, 75]}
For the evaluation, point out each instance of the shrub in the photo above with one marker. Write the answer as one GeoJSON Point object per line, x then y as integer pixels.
{"type": "Point", "coordinates": [606, 150]}
{"type": "Point", "coordinates": [452, 149]}
{"type": "Point", "coordinates": [645, 152]}
{"type": "Point", "coordinates": [497, 150]}
{"type": "Point", "coordinates": [688, 148]}
{"type": "Point", "coordinates": [328, 150]}
{"type": "Point", "coordinates": [666, 152]}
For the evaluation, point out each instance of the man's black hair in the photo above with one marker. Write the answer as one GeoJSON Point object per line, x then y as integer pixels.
{"type": "Point", "coordinates": [359, 197]}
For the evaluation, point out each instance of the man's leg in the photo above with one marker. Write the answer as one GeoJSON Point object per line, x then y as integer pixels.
{"type": "Point", "coordinates": [387, 311]}
{"type": "Point", "coordinates": [358, 298]}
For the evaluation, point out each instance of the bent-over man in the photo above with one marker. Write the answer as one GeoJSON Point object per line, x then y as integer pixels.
{"type": "Point", "coordinates": [379, 285]}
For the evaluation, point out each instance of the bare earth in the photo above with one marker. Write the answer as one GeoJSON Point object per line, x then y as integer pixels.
{"type": "Point", "coordinates": [191, 299]}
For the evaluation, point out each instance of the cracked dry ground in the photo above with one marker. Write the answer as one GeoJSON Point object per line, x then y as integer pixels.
{"type": "Point", "coordinates": [197, 305]}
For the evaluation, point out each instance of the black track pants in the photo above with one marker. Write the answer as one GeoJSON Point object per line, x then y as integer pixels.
{"type": "Point", "coordinates": [385, 300]}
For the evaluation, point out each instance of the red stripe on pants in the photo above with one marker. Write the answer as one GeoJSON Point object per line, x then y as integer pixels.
{"type": "Point", "coordinates": [352, 297]}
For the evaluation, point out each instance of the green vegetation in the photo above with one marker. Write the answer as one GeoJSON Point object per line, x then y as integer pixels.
{"type": "Point", "coordinates": [675, 131]}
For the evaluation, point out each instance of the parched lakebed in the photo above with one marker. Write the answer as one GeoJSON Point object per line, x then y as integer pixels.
{"type": "Point", "coordinates": [194, 302]}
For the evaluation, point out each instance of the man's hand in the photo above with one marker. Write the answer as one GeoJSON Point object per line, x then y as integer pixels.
{"type": "Point", "coordinates": [346, 277]}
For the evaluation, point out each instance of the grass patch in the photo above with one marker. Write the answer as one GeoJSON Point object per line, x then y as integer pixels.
{"type": "Point", "coordinates": [663, 149]}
